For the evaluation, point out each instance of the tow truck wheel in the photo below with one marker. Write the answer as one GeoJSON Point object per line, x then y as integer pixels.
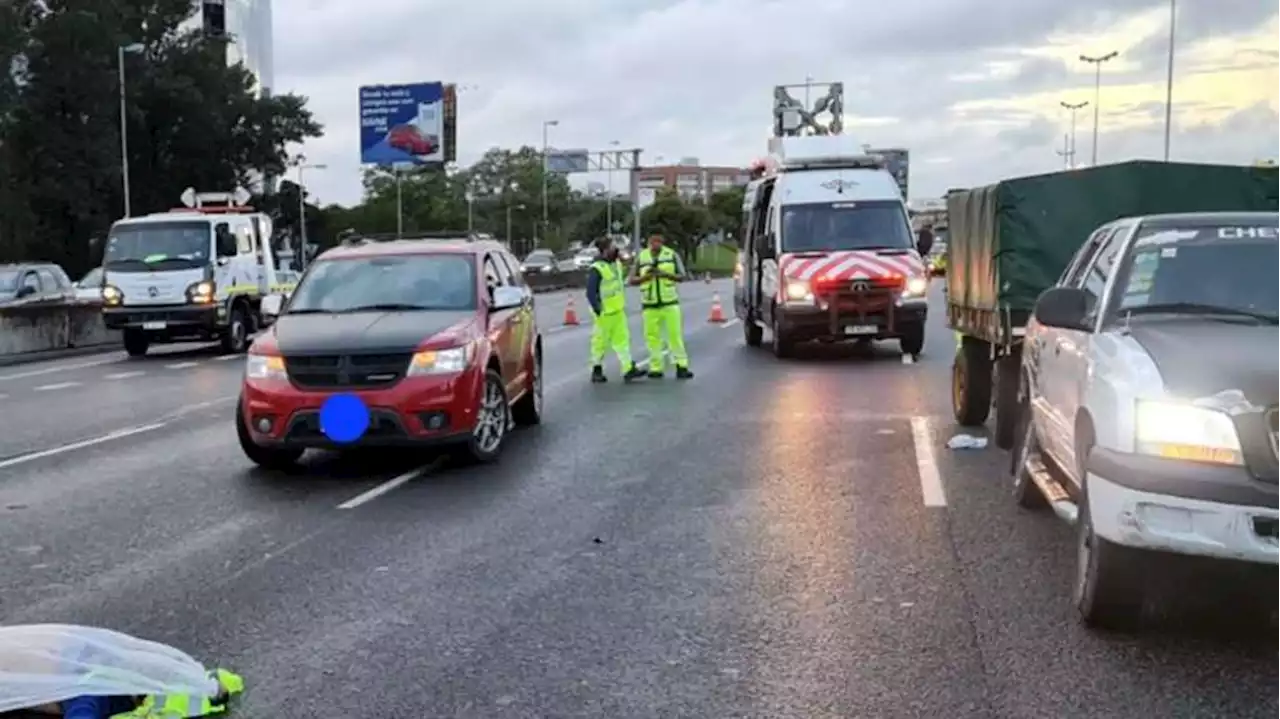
{"type": "Point", "coordinates": [1108, 585]}
{"type": "Point", "coordinates": [752, 332]}
{"type": "Point", "coordinates": [265, 457]}
{"type": "Point", "coordinates": [912, 341]}
{"type": "Point", "coordinates": [783, 347]}
{"type": "Point", "coordinates": [236, 338]}
{"type": "Point", "coordinates": [136, 343]}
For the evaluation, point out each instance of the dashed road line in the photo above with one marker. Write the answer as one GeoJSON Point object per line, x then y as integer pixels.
{"type": "Point", "coordinates": [56, 386]}
{"type": "Point", "coordinates": [59, 368]}
{"type": "Point", "coordinates": [389, 485]}
{"type": "Point", "coordinates": [181, 365]}
{"type": "Point", "coordinates": [927, 464]}
{"type": "Point", "coordinates": [124, 375]}
{"type": "Point", "coordinates": [119, 434]}
{"type": "Point", "coordinates": [227, 358]}
{"type": "Point", "coordinates": [729, 323]}
{"type": "Point", "coordinates": [908, 359]}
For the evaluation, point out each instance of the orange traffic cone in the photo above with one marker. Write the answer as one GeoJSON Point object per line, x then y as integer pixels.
{"type": "Point", "coordinates": [717, 312]}
{"type": "Point", "coordinates": [570, 314]}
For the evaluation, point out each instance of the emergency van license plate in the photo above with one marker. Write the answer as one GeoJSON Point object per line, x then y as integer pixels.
{"type": "Point", "coordinates": [153, 325]}
{"type": "Point", "coordinates": [860, 329]}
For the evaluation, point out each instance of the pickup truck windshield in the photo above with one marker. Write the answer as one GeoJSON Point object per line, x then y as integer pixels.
{"type": "Point", "coordinates": [1201, 268]}
{"type": "Point", "coordinates": [401, 282]}
{"type": "Point", "coordinates": [151, 246]}
{"type": "Point", "coordinates": [836, 226]}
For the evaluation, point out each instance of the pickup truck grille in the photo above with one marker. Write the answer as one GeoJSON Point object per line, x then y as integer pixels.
{"type": "Point", "coordinates": [361, 371]}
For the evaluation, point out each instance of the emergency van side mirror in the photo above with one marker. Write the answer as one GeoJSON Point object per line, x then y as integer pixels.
{"type": "Point", "coordinates": [1063, 308]}
{"type": "Point", "coordinates": [765, 247]}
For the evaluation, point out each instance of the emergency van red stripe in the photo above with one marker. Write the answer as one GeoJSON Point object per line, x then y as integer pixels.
{"type": "Point", "coordinates": [851, 265]}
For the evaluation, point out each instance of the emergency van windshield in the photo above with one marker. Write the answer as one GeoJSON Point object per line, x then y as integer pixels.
{"type": "Point", "coordinates": [844, 226]}
{"type": "Point", "coordinates": [143, 247]}
{"type": "Point", "coordinates": [387, 283]}
{"type": "Point", "coordinates": [1201, 270]}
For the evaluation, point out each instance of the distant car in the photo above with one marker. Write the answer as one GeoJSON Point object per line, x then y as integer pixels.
{"type": "Point", "coordinates": [31, 283]}
{"type": "Point", "coordinates": [584, 258]}
{"type": "Point", "coordinates": [410, 139]}
{"type": "Point", "coordinates": [89, 287]}
{"type": "Point", "coordinates": [539, 262]}
{"type": "Point", "coordinates": [439, 340]}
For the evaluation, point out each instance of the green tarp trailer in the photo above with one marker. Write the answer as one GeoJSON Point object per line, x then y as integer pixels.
{"type": "Point", "coordinates": [1012, 240]}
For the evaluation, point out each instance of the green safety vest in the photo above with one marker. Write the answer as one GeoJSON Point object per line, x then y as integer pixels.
{"type": "Point", "coordinates": [658, 292]}
{"type": "Point", "coordinates": [181, 706]}
{"type": "Point", "coordinates": [612, 298]}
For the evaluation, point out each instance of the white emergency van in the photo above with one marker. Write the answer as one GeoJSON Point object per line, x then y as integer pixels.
{"type": "Point", "coordinates": [828, 253]}
{"type": "Point", "coordinates": [197, 273]}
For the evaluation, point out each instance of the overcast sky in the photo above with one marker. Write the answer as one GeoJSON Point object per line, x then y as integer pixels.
{"type": "Point", "coordinates": [971, 87]}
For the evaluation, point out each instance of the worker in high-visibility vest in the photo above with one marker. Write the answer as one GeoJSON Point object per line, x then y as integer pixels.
{"type": "Point", "coordinates": [657, 271]}
{"type": "Point", "coordinates": [606, 295]}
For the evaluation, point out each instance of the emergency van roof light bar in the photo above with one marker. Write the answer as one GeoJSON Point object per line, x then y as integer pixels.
{"type": "Point", "coordinates": [234, 201]}
{"type": "Point", "coordinates": [821, 152]}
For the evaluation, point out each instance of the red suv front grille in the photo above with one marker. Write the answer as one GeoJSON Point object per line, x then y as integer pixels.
{"type": "Point", "coordinates": [360, 371]}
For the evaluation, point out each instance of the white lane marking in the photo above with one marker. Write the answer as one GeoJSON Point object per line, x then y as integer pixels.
{"type": "Point", "coordinates": [181, 365]}
{"type": "Point", "coordinates": [730, 323]}
{"type": "Point", "coordinates": [119, 434]}
{"type": "Point", "coordinates": [908, 359]}
{"type": "Point", "coordinates": [388, 485]}
{"type": "Point", "coordinates": [227, 358]}
{"type": "Point", "coordinates": [56, 386]}
{"type": "Point", "coordinates": [59, 368]}
{"type": "Point", "coordinates": [125, 375]}
{"type": "Point", "coordinates": [927, 464]}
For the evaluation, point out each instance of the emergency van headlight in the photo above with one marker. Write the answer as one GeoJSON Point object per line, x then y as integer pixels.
{"type": "Point", "coordinates": [436, 362]}
{"type": "Point", "coordinates": [111, 295]}
{"type": "Point", "coordinates": [1175, 430]}
{"type": "Point", "coordinates": [201, 292]}
{"type": "Point", "coordinates": [265, 367]}
{"type": "Point", "coordinates": [915, 287]}
{"type": "Point", "coordinates": [798, 292]}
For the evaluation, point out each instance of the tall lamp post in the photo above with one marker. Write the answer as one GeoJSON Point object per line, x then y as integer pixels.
{"type": "Point", "coordinates": [301, 163]}
{"type": "Point", "coordinates": [608, 200]}
{"type": "Point", "coordinates": [1168, 91]}
{"type": "Point", "coordinates": [1072, 108]}
{"type": "Point", "coordinates": [124, 124]}
{"type": "Point", "coordinates": [546, 146]}
{"type": "Point", "coordinates": [1097, 61]}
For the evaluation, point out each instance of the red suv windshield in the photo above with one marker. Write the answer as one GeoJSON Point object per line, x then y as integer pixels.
{"type": "Point", "coordinates": [408, 282]}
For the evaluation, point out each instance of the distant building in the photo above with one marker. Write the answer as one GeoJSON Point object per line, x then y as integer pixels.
{"type": "Point", "coordinates": [691, 181]}
{"type": "Point", "coordinates": [248, 25]}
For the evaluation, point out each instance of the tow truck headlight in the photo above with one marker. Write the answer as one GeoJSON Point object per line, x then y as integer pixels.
{"type": "Point", "coordinates": [111, 295]}
{"type": "Point", "coordinates": [915, 287]}
{"type": "Point", "coordinates": [265, 367]}
{"type": "Point", "coordinates": [1183, 431]}
{"type": "Point", "coordinates": [437, 362]}
{"type": "Point", "coordinates": [201, 292]}
{"type": "Point", "coordinates": [798, 292]}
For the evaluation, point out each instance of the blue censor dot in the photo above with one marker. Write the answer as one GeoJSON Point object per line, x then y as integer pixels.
{"type": "Point", "coordinates": [344, 418]}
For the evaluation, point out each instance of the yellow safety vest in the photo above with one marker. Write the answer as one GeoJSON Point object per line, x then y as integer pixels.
{"type": "Point", "coordinates": [612, 298]}
{"type": "Point", "coordinates": [181, 706]}
{"type": "Point", "coordinates": [658, 291]}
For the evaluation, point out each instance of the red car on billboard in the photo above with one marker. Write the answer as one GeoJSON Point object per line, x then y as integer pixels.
{"type": "Point", "coordinates": [410, 139]}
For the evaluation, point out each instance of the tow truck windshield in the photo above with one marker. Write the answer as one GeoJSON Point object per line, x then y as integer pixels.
{"type": "Point", "coordinates": [844, 226]}
{"type": "Point", "coordinates": [1229, 272]}
{"type": "Point", "coordinates": [388, 283]}
{"type": "Point", "coordinates": [144, 247]}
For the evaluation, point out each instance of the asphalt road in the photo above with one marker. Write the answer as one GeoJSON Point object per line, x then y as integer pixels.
{"type": "Point", "coordinates": [772, 539]}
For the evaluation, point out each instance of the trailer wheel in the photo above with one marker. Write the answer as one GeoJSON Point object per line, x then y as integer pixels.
{"type": "Point", "coordinates": [971, 383]}
{"type": "Point", "coordinates": [752, 332]}
{"type": "Point", "coordinates": [1008, 371]}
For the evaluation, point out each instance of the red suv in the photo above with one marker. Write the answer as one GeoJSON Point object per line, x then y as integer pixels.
{"type": "Point", "coordinates": [436, 336]}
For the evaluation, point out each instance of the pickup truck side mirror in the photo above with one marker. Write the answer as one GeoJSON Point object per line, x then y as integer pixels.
{"type": "Point", "coordinates": [272, 305]}
{"type": "Point", "coordinates": [1063, 308]}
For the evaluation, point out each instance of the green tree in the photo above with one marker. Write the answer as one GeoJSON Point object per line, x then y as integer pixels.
{"type": "Point", "coordinates": [725, 209]}
{"type": "Point", "coordinates": [681, 223]}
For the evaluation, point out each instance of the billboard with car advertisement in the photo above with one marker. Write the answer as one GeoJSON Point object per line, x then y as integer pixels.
{"type": "Point", "coordinates": [402, 124]}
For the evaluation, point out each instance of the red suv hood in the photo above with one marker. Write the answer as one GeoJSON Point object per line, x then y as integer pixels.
{"type": "Point", "coordinates": [370, 331]}
{"type": "Point", "coordinates": [849, 265]}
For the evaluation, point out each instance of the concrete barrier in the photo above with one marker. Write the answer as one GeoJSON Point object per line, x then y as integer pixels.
{"type": "Point", "coordinates": [552, 281]}
{"type": "Point", "coordinates": [36, 329]}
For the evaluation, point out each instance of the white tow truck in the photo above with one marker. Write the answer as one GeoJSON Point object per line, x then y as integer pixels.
{"type": "Point", "coordinates": [196, 273]}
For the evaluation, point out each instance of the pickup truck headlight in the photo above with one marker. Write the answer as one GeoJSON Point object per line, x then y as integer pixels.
{"type": "Point", "coordinates": [798, 292]}
{"type": "Point", "coordinates": [915, 287]}
{"type": "Point", "coordinates": [111, 295]}
{"type": "Point", "coordinates": [436, 362]}
{"type": "Point", "coordinates": [1175, 430]}
{"type": "Point", "coordinates": [265, 367]}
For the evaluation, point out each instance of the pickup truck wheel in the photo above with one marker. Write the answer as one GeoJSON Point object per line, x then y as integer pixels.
{"type": "Point", "coordinates": [752, 332]}
{"type": "Point", "coordinates": [912, 340]}
{"type": "Point", "coordinates": [527, 411]}
{"type": "Point", "coordinates": [265, 457]}
{"type": "Point", "coordinates": [971, 383]}
{"type": "Point", "coordinates": [1008, 374]}
{"type": "Point", "coordinates": [493, 416]}
{"type": "Point", "coordinates": [1108, 585]}
{"type": "Point", "coordinates": [136, 343]}
{"type": "Point", "coordinates": [1027, 445]}
{"type": "Point", "coordinates": [783, 347]}
{"type": "Point", "coordinates": [236, 339]}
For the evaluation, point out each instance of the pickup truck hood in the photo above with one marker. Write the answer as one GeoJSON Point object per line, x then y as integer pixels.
{"type": "Point", "coordinates": [362, 332]}
{"type": "Point", "coordinates": [850, 265]}
{"type": "Point", "coordinates": [1198, 358]}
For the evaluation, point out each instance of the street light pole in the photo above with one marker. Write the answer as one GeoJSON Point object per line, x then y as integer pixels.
{"type": "Point", "coordinates": [302, 166]}
{"type": "Point", "coordinates": [608, 200]}
{"type": "Point", "coordinates": [124, 125]}
{"type": "Point", "coordinates": [1072, 107]}
{"type": "Point", "coordinates": [1168, 92]}
{"type": "Point", "coordinates": [546, 130]}
{"type": "Point", "coordinates": [1097, 61]}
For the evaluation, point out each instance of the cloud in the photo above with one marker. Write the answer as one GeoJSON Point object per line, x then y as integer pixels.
{"type": "Point", "coordinates": [972, 87]}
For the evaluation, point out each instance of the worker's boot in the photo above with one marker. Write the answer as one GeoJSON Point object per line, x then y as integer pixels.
{"type": "Point", "coordinates": [683, 373]}
{"type": "Point", "coordinates": [597, 375]}
{"type": "Point", "coordinates": [633, 374]}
